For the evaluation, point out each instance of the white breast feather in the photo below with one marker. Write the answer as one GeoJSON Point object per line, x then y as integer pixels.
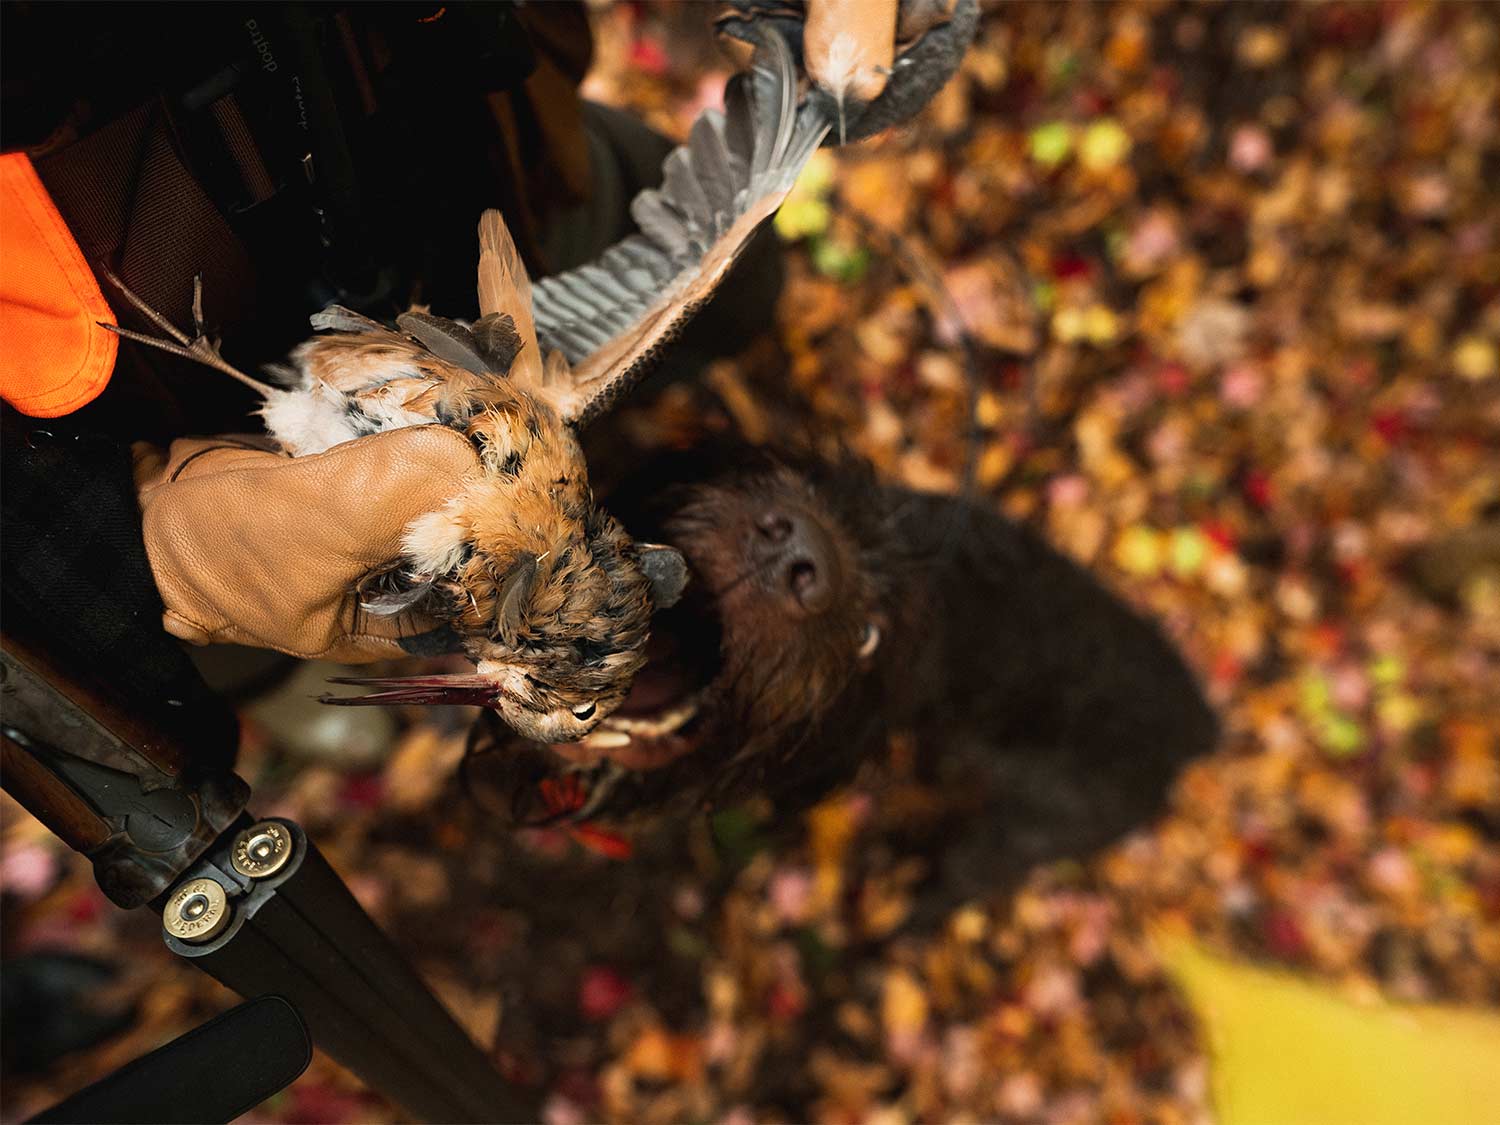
{"type": "Point", "coordinates": [316, 415]}
{"type": "Point", "coordinates": [308, 421]}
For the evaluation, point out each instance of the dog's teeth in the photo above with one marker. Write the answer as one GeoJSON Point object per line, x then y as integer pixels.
{"type": "Point", "coordinates": [678, 716]}
{"type": "Point", "coordinates": [664, 723]}
{"type": "Point", "coordinates": [603, 739]}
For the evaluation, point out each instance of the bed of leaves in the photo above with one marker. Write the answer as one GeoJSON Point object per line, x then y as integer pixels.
{"type": "Point", "coordinates": [1232, 275]}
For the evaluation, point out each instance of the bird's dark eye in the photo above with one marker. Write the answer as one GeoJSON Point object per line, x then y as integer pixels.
{"type": "Point", "coordinates": [870, 641]}
{"type": "Point", "coordinates": [584, 712]}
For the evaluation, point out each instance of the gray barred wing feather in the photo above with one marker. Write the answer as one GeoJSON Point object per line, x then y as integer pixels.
{"type": "Point", "coordinates": [612, 317]}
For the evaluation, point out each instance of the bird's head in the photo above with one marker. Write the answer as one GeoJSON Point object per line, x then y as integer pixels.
{"type": "Point", "coordinates": [546, 593]}
{"type": "Point", "coordinates": [561, 630]}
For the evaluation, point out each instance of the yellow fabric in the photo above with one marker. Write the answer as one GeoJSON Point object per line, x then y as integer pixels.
{"type": "Point", "coordinates": [54, 357]}
{"type": "Point", "coordinates": [1288, 1051]}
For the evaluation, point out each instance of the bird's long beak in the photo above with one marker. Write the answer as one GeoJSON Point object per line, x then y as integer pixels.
{"type": "Point", "coordinates": [465, 689]}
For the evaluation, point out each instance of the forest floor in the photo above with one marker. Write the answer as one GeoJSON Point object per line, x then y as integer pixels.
{"type": "Point", "coordinates": [1233, 278]}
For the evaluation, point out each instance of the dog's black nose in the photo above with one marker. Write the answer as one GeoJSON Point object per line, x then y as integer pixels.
{"type": "Point", "coordinates": [805, 559]}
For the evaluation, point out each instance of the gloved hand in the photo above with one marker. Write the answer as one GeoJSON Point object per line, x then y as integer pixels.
{"type": "Point", "coordinates": [250, 546]}
{"type": "Point", "coordinates": [879, 61]}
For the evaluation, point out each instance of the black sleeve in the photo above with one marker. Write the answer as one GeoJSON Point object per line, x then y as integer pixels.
{"type": "Point", "coordinates": [75, 581]}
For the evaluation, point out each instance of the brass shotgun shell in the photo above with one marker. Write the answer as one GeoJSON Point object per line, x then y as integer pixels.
{"type": "Point", "coordinates": [197, 911]}
{"type": "Point", "coordinates": [262, 850]}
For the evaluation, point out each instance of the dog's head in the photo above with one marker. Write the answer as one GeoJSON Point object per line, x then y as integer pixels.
{"type": "Point", "coordinates": [782, 640]}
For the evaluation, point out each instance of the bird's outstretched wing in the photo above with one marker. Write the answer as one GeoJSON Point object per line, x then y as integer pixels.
{"type": "Point", "coordinates": [611, 317]}
{"type": "Point", "coordinates": [577, 340]}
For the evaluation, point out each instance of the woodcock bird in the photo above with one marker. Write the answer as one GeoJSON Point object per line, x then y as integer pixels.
{"type": "Point", "coordinates": [545, 592]}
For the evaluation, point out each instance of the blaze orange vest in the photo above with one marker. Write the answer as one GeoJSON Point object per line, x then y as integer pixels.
{"type": "Point", "coordinates": [54, 357]}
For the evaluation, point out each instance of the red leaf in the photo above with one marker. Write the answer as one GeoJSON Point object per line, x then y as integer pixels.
{"type": "Point", "coordinates": [1173, 379]}
{"type": "Point", "coordinates": [611, 845]}
{"type": "Point", "coordinates": [647, 55]}
{"type": "Point", "coordinates": [1284, 936]}
{"type": "Point", "coordinates": [602, 992]}
{"type": "Point", "coordinates": [1389, 424]}
{"type": "Point", "coordinates": [1220, 533]}
{"type": "Point", "coordinates": [363, 791]}
{"type": "Point", "coordinates": [1258, 488]}
{"type": "Point", "coordinates": [563, 794]}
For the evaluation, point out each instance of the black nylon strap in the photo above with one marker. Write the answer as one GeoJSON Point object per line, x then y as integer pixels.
{"type": "Point", "coordinates": [215, 1072]}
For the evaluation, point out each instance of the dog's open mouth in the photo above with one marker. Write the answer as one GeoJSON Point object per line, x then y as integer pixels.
{"type": "Point", "coordinates": [660, 719]}
{"type": "Point", "coordinates": [667, 715]}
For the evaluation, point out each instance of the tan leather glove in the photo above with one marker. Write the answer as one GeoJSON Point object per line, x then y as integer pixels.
{"type": "Point", "coordinates": [880, 60]}
{"type": "Point", "coordinates": [249, 546]}
{"type": "Point", "coordinates": [863, 58]}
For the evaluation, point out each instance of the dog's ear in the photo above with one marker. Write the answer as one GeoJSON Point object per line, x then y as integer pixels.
{"type": "Point", "coordinates": [512, 597]}
{"type": "Point", "coordinates": [666, 570]}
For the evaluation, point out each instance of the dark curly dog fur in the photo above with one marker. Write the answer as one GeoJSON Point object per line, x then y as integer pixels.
{"type": "Point", "coordinates": [828, 610]}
